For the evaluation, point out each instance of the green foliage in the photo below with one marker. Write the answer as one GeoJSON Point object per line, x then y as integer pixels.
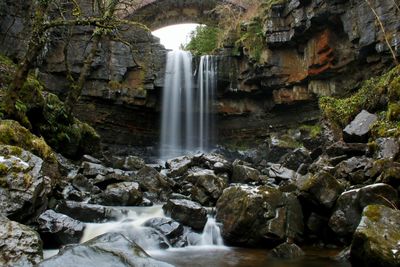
{"type": "Point", "coordinates": [12, 133]}
{"type": "Point", "coordinates": [313, 130]}
{"type": "Point", "coordinates": [204, 40]}
{"type": "Point", "coordinates": [252, 39]}
{"type": "Point", "coordinates": [340, 111]}
{"type": "Point", "coordinates": [3, 169]}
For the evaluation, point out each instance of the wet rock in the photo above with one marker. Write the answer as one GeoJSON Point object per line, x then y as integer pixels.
{"type": "Point", "coordinates": [242, 173]}
{"type": "Point", "coordinates": [277, 148]}
{"type": "Point", "coordinates": [390, 173]}
{"type": "Point", "coordinates": [279, 173]}
{"type": "Point", "coordinates": [111, 249]}
{"type": "Point", "coordinates": [287, 251]}
{"type": "Point", "coordinates": [90, 169]}
{"type": "Point", "coordinates": [388, 148]}
{"type": "Point", "coordinates": [376, 239]}
{"type": "Point", "coordinates": [214, 161]}
{"type": "Point", "coordinates": [89, 212]}
{"type": "Point", "coordinates": [120, 194]}
{"type": "Point", "coordinates": [20, 245]}
{"type": "Point", "coordinates": [83, 184]}
{"type": "Point", "coordinates": [24, 188]}
{"type": "Point", "coordinates": [349, 149]}
{"type": "Point", "coordinates": [133, 163]}
{"type": "Point", "coordinates": [316, 224]}
{"type": "Point", "coordinates": [359, 129]}
{"type": "Point", "coordinates": [178, 166]}
{"type": "Point", "coordinates": [91, 159]}
{"type": "Point", "coordinates": [356, 170]}
{"type": "Point", "coordinates": [113, 176]}
{"type": "Point", "coordinates": [270, 215]}
{"type": "Point", "coordinates": [153, 182]}
{"type": "Point", "coordinates": [293, 160]}
{"type": "Point", "coordinates": [207, 187]}
{"type": "Point", "coordinates": [167, 227]}
{"type": "Point", "coordinates": [186, 212]}
{"type": "Point", "coordinates": [59, 229]}
{"type": "Point", "coordinates": [349, 206]}
{"type": "Point", "coordinates": [321, 188]}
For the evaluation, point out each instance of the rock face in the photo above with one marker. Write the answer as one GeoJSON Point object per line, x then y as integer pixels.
{"type": "Point", "coordinates": [376, 240]}
{"type": "Point", "coordinates": [258, 214]}
{"type": "Point", "coordinates": [186, 212]}
{"type": "Point", "coordinates": [287, 251]}
{"type": "Point", "coordinates": [112, 249]}
{"type": "Point", "coordinates": [358, 130]}
{"type": "Point", "coordinates": [20, 245]}
{"type": "Point", "coordinates": [349, 206]}
{"type": "Point", "coordinates": [59, 229]}
{"type": "Point", "coordinates": [24, 188]}
{"type": "Point", "coordinates": [153, 182]}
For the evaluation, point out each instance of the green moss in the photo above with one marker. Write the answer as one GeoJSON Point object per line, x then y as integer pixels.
{"type": "Point", "coordinates": [3, 169]}
{"type": "Point", "coordinates": [393, 113]}
{"type": "Point", "coordinates": [340, 111]}
{"type": "Point", "coordinates": [313, 130]}
{"type": "Point", "coordinates": [253, 39]}
{"type": "Point", "coordinates": [12, 133]}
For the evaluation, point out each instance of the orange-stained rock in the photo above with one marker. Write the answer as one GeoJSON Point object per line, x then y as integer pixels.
{"type": "Point", "coordinates": [287, 96]}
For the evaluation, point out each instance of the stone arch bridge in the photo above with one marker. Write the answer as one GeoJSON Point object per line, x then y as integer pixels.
{"type": "Point", "coordinates": [159, 13]}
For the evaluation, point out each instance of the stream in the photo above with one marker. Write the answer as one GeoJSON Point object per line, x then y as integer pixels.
{"type": "Point", "coordinates": [204, 249]}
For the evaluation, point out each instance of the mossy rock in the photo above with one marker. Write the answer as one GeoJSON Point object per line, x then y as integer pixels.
{"type": "Point", "coordinates": [376, 240]}
{"type": "Point", "coordinates": [12, 133]}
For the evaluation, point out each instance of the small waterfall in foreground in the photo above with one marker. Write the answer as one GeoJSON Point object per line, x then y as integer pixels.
{"type": "Point", "coordinates": [211, 234]}
{"type": "Point", "coordinates": [187, 122]}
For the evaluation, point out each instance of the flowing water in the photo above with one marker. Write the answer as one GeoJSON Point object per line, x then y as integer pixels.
{"type": "Point", "coordinates": [187, 124]}
{"type": "Point", "coordinates": [205, 250]}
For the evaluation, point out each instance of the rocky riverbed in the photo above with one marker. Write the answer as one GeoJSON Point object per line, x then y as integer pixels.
{"type": "Point", "coordinates": [324, 193]}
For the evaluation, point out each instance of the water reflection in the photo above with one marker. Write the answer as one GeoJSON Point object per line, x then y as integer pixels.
{"type": "Point", "coordinates": [240, 257]}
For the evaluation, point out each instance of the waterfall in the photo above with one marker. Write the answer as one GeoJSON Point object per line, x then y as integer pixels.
{"type": "Point", "coordinates": [177, 130]}
{"type": "Point", "coordinates": [211, 234]}
{"type": "Point", "coordinates": [207, 84]}
{"type": "Point", "coordinates": [187, 122]}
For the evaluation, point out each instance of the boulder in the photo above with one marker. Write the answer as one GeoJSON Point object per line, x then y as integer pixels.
{"type": "Point", "coordinates": [207, 187]}
{"type": "Point", "coordinates": [376, 239]}
{"type": "Point", "coordinates": [58, 229]}
{"type": "Point", "coordinates": [91, 159]}
{"type": "Point", "coordinates": [349, 206]}
{"type": "Point", "coordinates": [242, 173]}
{"type": "Point", "coordinates": [348, 149]}
{"type": "Point", "coordinates": [187, 212]}
{"type": "Point", "coordinates": [111, 249]}
{"type": "Point", "coordinates": [213, 161]}
{"type": "Point", "coordinates": [252, 215]}
{"type": "Point", "coordinates": [359, 129]}
{"type": "Point", "coordinates": [387, 148]}
{"type": "Point", "coordinates": [178, 166]}
{"type": "Point", "coordinates": [133, 163]}
{"type": "Point", "coordinates": [153, 182]}
{"type": "Point", "coordinates": [287, 251]}
{"type": "Point", "coordinates": [321, 188]}
{"type": "Point", "coordinates": [356, 170]}
{"type": "Point", "coordinates": [20, 245]}
{"type": "Point", "coordinates": [91, 170]}
{"type": "Point", "coordinates": [120, 194]}
{"type": "Point", "coordinates": [293, 160]}
{"type": "Point", "coordinates": [89, 212]}
{"type": "Point", "coordinates": [169, 228]}
{"type": "Point", "coordinates": [24, 188]}
{"type": "Point", "coordinates": [279, 173]}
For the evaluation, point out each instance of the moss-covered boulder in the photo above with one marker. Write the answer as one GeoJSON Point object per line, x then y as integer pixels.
{"type": "Point", "coordinates": [12, 133]}
{"type": "Point", "coordinates": [253, 215]}
{"type": "Point", "coordinates": [376, 241]}
{"type": "Point", "coordinates": [24, 187]}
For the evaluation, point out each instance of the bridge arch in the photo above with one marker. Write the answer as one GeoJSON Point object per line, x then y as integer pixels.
{"type": "Point", "coordinates": [156, 14]}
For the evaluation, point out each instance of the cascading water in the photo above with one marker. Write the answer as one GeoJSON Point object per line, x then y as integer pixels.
{"type": "Point", "coordinates": [177, 130]}
{"type": "Point", "coordinates": [207, 83]}
{"type": "Point", "coordinates": [187, 123]}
